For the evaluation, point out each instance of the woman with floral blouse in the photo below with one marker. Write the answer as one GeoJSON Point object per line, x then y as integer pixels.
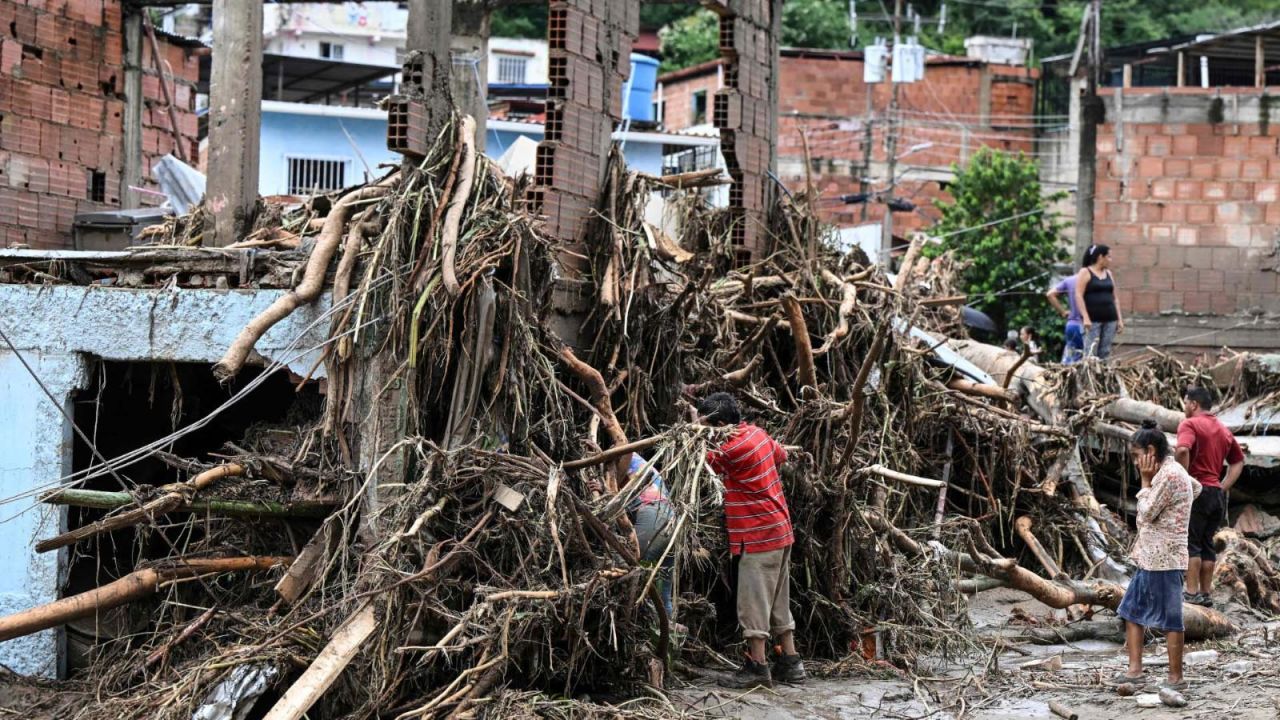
{"type": "Point", "coordinates": [1154, 596]}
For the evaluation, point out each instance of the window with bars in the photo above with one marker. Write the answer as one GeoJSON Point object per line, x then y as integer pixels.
{"type": "Point", "coordinates": [511, 69]}
{"type": "Point", "coordinates": [316, 175]}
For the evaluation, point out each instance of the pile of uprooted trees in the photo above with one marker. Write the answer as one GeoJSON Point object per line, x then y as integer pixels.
{"type": "Point", "coordinates": [458, 550]}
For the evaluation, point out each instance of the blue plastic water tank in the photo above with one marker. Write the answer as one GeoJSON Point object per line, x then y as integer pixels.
{"type": "Point", "coordinates": [644, 78]}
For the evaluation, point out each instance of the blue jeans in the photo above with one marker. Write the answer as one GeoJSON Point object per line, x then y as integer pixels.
{"type": "Point", "coordinates": [1073, 338]}
{"type": "Point", "coordinates": [655, 523]}
{"type": "Point", "coordinates": [1097, 342]}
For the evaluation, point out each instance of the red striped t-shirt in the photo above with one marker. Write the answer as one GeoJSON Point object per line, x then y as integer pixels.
{"type": "Point", "coordinates": [755, 509]}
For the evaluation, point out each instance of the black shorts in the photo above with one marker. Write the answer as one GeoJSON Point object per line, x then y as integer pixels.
{"type": "Point", "coordinates": [1206, 519]}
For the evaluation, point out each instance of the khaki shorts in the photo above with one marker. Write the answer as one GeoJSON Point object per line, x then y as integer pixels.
{"type": "Point", "coordinates": [764, 593]}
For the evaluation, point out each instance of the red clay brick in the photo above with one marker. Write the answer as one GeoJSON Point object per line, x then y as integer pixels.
{"type": "Point", "coordinates": [1187, 189]}
{"type": "Point", "coordinates": [1150, 167]}
{"type": "Point", "coordinates": [1184, 145]}
{"type": "Point", "coordinates": [1225, 259]}
{"type": "Point", "coordinates": [1262, 147]}
{"type": "Point", "coordinates": [1215, 190]}
{"type": "Point", "coordinates": [1174, 212]}
{"type": "Point", "coordinates": [1210, 146]}
{"type": "Point", "coordinates": [1199, 257]}
{"type": "Point", "coordinates": [1222, 304]}
{"type": "Point", "coordinates": [1177, 168]}
{"type": "Point", "coordinates": [1253, 169]}
{"type": "Point", "coordinates": [1148, 212]}
{"type": "Point", "coordinates": [1159, 145]}
{"type": "Point", "coordinates": [1162, 189]}
{"type": "Point", "coordinates": [1196, 302]}
{"type": "Point", "coordinates": [1145, 302]}
{"type": "Point", "coordinates": [1204, 169]}
{"type": "Point", "coordinates": [1199, 213]}
{"type": "Point", "coordinates": [1235, 147]}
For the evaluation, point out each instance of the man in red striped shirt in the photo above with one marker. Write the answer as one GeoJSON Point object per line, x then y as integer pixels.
{"type": "Point", "coordinates": [760, 538]}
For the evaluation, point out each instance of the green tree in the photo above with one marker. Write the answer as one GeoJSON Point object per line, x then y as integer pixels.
{"type": "Point", "coordinates": [822, 24]}
{"type": "Point", "coordinates": [690, 40]}
{"type": "Point", "coordinates": [1000, 224]}
{"type": "Point", "coordinates": [519, 21]}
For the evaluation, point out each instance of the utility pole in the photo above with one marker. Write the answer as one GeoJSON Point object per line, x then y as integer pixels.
{"type": "Point", "coordinates": [235, 119]}
{"type": "Point", "coordinates": [1091, 112]}
{"type": "Point", "coordinates": [891, 146]}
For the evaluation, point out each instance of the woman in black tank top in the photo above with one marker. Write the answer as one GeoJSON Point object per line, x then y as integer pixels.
{"type": "Point", "coordinates": [1096, 298]}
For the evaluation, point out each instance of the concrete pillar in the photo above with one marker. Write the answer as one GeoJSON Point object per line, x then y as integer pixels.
{"type": "Point", "coordinates": [471, 70]}
{"type": "Point", "coordinates": [430, 22]}
{"type": "Point", "coordinates": [36, 449]}
{"type": "Point", "coordinates": [131, 171]}
{"type": "Point", "coordinates": [1259, 62]}
{"type": "Point", "coordinates": [235, 118]}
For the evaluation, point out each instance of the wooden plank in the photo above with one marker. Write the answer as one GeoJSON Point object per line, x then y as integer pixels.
{"type": "Point", "coordinates": [303, 571]}
{"type": "Point", "coordinates": [327, 666]}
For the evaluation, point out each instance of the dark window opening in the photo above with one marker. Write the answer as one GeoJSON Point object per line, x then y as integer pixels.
{"type": "Point", "coordinates": [332, 51]}
{"type": "Point", "coordinates": [699, 108]}
{"type": "Point", "coordinates": [97, 186]}
{"type": "Point", "coordinates": [127, 405]}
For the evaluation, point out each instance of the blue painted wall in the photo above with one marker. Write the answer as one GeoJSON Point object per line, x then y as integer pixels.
{"type": "Point", "coordinates": [286, 135]}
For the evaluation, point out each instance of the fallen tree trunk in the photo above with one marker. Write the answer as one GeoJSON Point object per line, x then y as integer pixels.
{"type": "Point", "coordinates": [1135, 411]}
{"type": "Point", "coordinates": [312, 280]}
{"type": "Point", "coordinates": [103, 500]}
{"type": "Point", "coordinates": [992, 392]}
{"type": "Point", "coordinates": [1200, 623]}
{"type": "Point", "coordinates": [1029, 379]}
{"type": "Point", "coordinates": [135, 585]}
{"type": "Point", "coordinates": [174, 498]}
{"type": "Point", "coordinates": [804, 350]}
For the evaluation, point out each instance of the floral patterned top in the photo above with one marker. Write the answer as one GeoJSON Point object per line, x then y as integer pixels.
{"type": "Point", "coordinates": [1164, 509]}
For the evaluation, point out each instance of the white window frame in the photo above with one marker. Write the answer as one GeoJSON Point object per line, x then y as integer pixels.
{"type": "Point", "coordinates": [523, 60]}
{"type": "Point", "coordinates": [345, 163]}
{"type": "Point", "coordinates": [341, 50]}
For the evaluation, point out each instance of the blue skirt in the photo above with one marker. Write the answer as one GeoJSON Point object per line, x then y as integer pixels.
{"type": "Point", "coordinates": [1154, 600]}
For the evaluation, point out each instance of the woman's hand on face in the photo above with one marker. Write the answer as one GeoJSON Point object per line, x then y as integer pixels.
{"type": "Point", "coordinates": [1147, 466]}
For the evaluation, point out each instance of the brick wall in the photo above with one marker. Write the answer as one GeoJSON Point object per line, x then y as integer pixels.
{"type": "Point", "coordinates": [677, 111]}
{"type": "Point", "coordinates": [62, 115]}
{"type": "Point", "coordinates": [1191, 210]}
{"type": "Point", "coordinates": [822, 96]}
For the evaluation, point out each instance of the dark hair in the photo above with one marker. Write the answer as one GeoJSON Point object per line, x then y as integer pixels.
{"type": "Point", "coordinates": [1150, 436]}
{"type": "Point", "coordinates": [1030, 331]}
{"type": "Point", "coordinates": [720, 409]}
{"type": "Point", "coordinates": [1010, 344]}
{"type": "Point", "coordinates": [1093, 253]}
{"type": "Point", "coordinates": [1201, 395]}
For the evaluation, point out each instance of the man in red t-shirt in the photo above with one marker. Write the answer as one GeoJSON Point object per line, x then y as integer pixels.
{"type": "Point", "coordinates": [760, 538]}
{"type": "Point", "coordinates": [1204, 444]}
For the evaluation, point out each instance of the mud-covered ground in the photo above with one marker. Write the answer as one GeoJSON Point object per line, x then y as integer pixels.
{"type": "Point", "coordinates": [1236, 678]}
